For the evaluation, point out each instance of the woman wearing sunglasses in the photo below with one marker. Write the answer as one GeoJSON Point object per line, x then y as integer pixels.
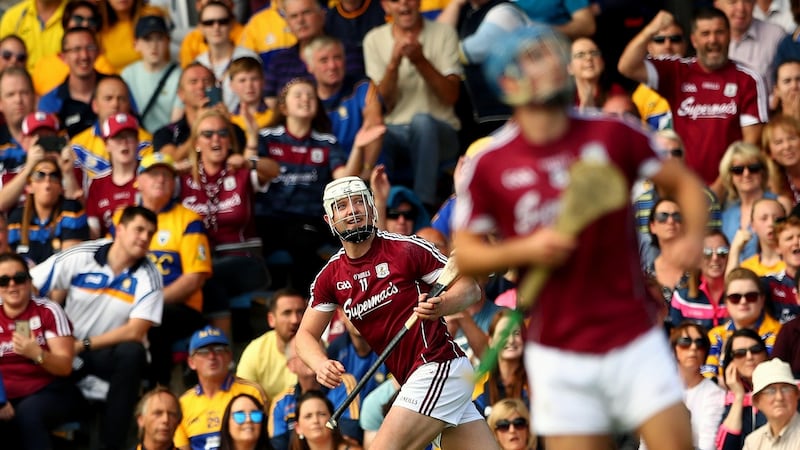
{"type": "Point", "coordinates": [744, 300]}
{"type": "Point", "coordinates": [221, 188]}
{"type": "Point", "coordinates": [510, 421]}
{"type": "Point", "coordinates": [243, 425]}
{"type": "Point", "coordinates": [310, 432]}
{"type": "Point", "coordinates": [703, 397]}
{"type": "Point", "coordinates": [36, 351]}
{"type": "Point", "coordinates": [702, 301]}
{"type": "Point", "coordinates": [745, 172]}
{"type": "Point", "coordinates": [664, 274]}
{"type": "Point", "coordinates": [744, 350]}
{"type": "Point", "coordinates": [47, 223]}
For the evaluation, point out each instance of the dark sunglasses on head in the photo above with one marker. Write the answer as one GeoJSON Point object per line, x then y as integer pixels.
{"type": "Point", "coordinates": [662, 217]}
{"type": "Point", "coordinates": [241, 416]}
{"type": "Point", "coordinates": [754, 350]}
{"type": "Point", "coordinates": [686, 342]}
{"type": "Point", "coordinates": [674, 152]}
{"type": "Point", "coordinates": [208, 134]}
{"type": "Point", "coordinates": [674, 38]}
{"type": "Point", "coordinates": [752, 168]}
{"type": "Point", "coordinates": [708, 252]}
{"type": "Point", "coordinates": [8, 54]}
{"type": "Point", "coordinates": [80, 20]}
{"type": "Point", "coordinates": [749, 297]}
{"type": "Point", "coordinates": [221, 22]}
{"type": "Point", "coordinates": [518, 423]}
{"type": "Point", "coordinates": [40, 175]}
{"type": "Point", "coordinates": [394, 215]}
{"type": "Point", "coordinates": [17, 278]}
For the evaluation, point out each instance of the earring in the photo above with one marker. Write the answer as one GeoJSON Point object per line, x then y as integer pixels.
{"type": "Point", "coordinates": [301, 436]}
{"type": "Point", "coordinates": [197, 149]}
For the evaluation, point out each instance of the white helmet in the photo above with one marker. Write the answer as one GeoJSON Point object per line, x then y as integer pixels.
{"type": "Point", "coordinates": [355, 191]}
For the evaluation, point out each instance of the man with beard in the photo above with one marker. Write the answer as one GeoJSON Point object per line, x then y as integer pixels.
{"type": "Point", "coordinates": [714, 101]}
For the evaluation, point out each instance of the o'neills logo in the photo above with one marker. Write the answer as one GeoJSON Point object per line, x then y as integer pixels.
{"type": "Point", "coordinates": [374, 302]}
{"type": "Point", "coordinates": [713, 110]}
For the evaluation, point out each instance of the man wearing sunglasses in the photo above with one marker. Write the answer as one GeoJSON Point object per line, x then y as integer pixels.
{"type": "Point", "coordinates": [203, 405]}
{"type": "Point", "coordinates": [708, 113]}
{"type": "Point", "coordinates": [39, 23]}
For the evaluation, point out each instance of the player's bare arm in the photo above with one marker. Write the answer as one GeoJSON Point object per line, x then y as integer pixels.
{"type": "Point", "coordinates": [463, 293]}
{"type": "Point", "coordinates": [307, 345]}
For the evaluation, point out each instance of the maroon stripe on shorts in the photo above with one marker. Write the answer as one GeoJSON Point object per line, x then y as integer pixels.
{"type": "Point", "coordinates": [435, 390]}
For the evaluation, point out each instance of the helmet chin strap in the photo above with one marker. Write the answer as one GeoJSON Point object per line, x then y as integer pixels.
{"type": "Point", "coordinates": [357, 235]}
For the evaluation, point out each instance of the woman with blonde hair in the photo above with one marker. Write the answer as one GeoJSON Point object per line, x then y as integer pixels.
{"type": "Point", "coordinates": [780, 140]}
{"type": "Point", "coordinates": [744, 171]}
{"type": "Point", "coordinates": [510, 421]}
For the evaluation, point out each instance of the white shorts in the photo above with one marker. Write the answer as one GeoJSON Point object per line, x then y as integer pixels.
{"type": "Point", "coordinates": [581, 393]}
{"type": "Point", "coordinates": [442, 391]}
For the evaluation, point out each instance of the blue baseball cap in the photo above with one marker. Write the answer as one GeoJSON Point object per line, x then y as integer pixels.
{"type": "Point", "coordinates": [207, 336]}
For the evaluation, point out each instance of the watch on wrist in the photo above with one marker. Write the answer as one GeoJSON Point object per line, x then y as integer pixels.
{"type": "Point", "coordinates": [87, 345]}
{"type": "Point", "coordinates": [254, 163]}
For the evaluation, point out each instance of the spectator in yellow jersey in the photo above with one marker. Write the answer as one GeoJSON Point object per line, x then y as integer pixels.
{"type": "Point", "coordinates": [203, 406]}
{"type": "Point", "coordinates": [38, 23]}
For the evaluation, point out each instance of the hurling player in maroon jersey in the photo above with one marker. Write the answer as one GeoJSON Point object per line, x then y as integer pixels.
{"type": "Point", "coordinates": [598, 363]}
{"type": "Point", "coordinates": [380, 279]}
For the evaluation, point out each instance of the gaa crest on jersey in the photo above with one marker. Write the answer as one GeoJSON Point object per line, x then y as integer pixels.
{"type": "Point", "coordinates": [730, 90]}
{"type": "Point", "coordinates": [36, 322]}
{"type": "Point", "coordinates": [229, 183]}
{"type": "Point", "coordinates": [201, 252]}
{"type": "Point", "coordinates": [317, 155]}
{"type": "Point", "coordinates": [162, 237]}
{"type": "Point", "coordinates": [382, 270]}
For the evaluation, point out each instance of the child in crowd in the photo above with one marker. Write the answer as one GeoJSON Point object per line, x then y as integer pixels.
{"type": "Point", "coordinates": [247, 82]}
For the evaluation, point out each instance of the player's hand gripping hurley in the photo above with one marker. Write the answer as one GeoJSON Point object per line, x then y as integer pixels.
{"type": "Point", "coordinates": [446, 279]}
{"type": "Point", "coordinates": [595, 189]}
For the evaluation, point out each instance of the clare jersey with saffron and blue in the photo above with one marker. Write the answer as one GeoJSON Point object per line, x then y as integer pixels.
{"type": "Point", "coordinates": [378, 293]}
{"type": "Point", "coordinates": [98, 300]}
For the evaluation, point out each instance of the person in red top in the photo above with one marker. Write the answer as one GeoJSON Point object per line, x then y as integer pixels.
{"type": "Point", "coordinates": [36, 351]}
{"type": "Point", "coordinates": [597, 360]}
{"type": "Point", "coordinates": [379, 280]}
{"type": "Point", "coordinates": [220, 188]}
{"type": "Point", "coordinates": [714, 101]}
{"type": "Point", "coordinates": [117, 189]}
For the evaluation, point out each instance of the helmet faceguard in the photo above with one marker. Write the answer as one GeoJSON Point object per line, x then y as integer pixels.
{"type": "Point", "coordinates": [348, 201]}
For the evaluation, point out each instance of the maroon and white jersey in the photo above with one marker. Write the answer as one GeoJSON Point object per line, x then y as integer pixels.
{"type": "Point", "coordinates": [105, 197]}
{"type": "Point", "coordinates": [597, 300]}
{"type": "Point", "coordinates": [225, 202]}
{"type": "Point", "coordinates": [21, 376]}
{"type": "Point", "coordinates": [709, 109]}
{"type": "Point", "coordinates": [378, 293]}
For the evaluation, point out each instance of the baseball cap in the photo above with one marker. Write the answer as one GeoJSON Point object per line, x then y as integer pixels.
{"type": "Point", "coordinates": [37, 120]}
{"type": "Point", "coordinates": [207, 336]}
{"type": "Point", "coordinates": [150, 24]}
{"type": "Point", "coordinates": [771, 372]}
{"type": "Point", "coordinates": [118, 123]}
{"type": "Point", "coordinates": [156, 159]}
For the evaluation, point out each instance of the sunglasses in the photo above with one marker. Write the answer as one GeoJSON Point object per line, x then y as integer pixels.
{"type": "Point", "coordinates": [674, 152]}
{"type": "Point", "coordinates": [708, 252]}
{"type": "Point", "coordinates": [394, 215]}
{"type": "Point", "coordinates": [41, 175]}
{"type": "Point", "coordinates": [518, 423]}
{"type": "Point", "coordinates": [211, 22]}
{"type": "Point", "coordinates": [208, 134]}
{"type": "Point", "coordinates": [80, 20]}
{"type": "Point", "coordinates": [17, 278]}
{"type": "Point", "coordinates": [8, 54]}
{"type": "Point", "coordinates": [589, 54]}
{"type": "Point", "coordinates": [674, 38]}
{"type": "Point", "coordinates": [208, 351]}
{"type": "Point", "coordinates": [662, 217]}
{"type": "Point", "coordinates": [749, 297]}
{"type": "Point", "coordinates": [241, 416]}
{"type": "Point", "coordinates": [752, 168]}
{"type": "Point", "coordinates": [686, 342]}
{"type": "Point", "coordinates": [754, 350]}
